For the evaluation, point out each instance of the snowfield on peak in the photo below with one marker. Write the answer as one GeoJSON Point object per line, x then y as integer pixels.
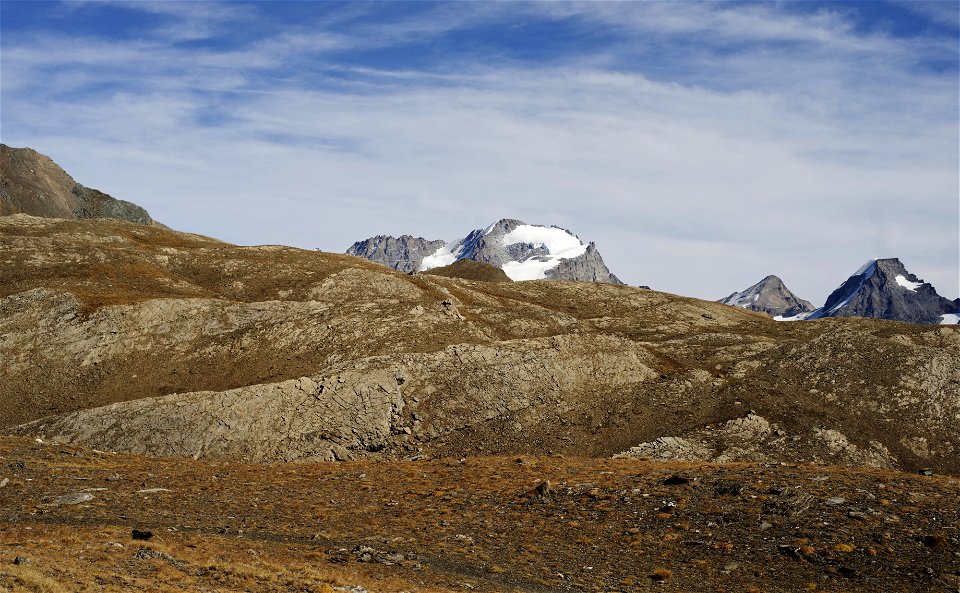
{"type": "Point", "coordinates": [444, 256]}
{"type": "Point", "coordinates": [523, 251]}
{"type": "Point", "coordinates": [555, 240]}
{"type": "Point", "coordinates": [911, 286]}
{"type": "Point", "coordinates": [558, 242]}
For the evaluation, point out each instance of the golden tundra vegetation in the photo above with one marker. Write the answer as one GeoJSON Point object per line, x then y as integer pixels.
{"type": "Point", "coordinates": [274, 419]}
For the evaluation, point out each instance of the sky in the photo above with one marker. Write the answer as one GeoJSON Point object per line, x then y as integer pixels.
{"type": "Point", "coordinates": [701, 145]}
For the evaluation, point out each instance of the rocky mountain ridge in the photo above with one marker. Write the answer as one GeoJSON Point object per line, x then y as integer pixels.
{"type": "Point", "coordinates": [884, 289]}
{"type": "Point", "coordinates": [880, 289]}
{"type": "Point", "coordinates": [769, 296]}
{"type": "Point", "coordinates": [524, 252]}
{"type": "Point", "coordinates": [403, 253]}
{"type": "Point", "coordinates": [31, 183]}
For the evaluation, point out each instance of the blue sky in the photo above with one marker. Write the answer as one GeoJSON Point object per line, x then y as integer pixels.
{"type": "Point", "coordinates": [702, 145]}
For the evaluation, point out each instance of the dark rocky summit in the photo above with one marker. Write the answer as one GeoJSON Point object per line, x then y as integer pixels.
{"type": "Point", "coordinates": [31, 183]}
{"type": "Point", "coordinates": [883, 288]}
{"type": "Point", "coordinates": [522, 251]}
{"type": "Point", "coordinates": [769, 296]}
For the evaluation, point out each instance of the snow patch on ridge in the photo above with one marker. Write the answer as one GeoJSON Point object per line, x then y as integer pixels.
{"type": "Point", "coordinates": [911, 286]}
{"type": "Point", "coordinates": [741, 299]}
{"type": "Point", "coordinates": [559, 243]}
{"type": "Point", "coordinates": [798, 317]}
{"type": "Point", "coordinates": [949, 319]}
{"type": "Point", "coordinates": [444, 256]}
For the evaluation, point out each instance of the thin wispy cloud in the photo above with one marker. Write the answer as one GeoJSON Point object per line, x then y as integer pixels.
{"type": "Point", "coordinates": [701, 146]}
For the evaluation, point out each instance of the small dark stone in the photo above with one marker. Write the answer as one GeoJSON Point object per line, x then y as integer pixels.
{"type": "Point", "coordinates": [788, 550]}
{"type": "Point", "coordinates": [706, 316]}
{"type": "Point", "coordinates": [676, 480]}
{"type": "Point", "coordinates": [543, 489]}
{"type": "Point", "coordinates": [847, 572]}
{"type": "Point", "coordinates": [726, 488]}
{"type": "Point", "coordinates": [926, 471]}
{"type": "Point", "coordinates": [18, 464]}
{"type": "Point", "coordinates": [935, 541]}
{"type": "Point", "coordinates": [21, 560]}
{"type": "Point", "coordinates": [142, 534]}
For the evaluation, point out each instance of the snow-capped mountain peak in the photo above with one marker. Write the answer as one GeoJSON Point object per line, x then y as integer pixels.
{"type": "Point", "coordinates": [883, 288]}
{"type": "Point", "coordinates": [523, 251]}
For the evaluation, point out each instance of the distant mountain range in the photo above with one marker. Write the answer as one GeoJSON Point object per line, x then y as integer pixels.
{"type": "Point", "coordinates": [31, 183]}
{"type": "Point", "coordinates": [881, 288]}
{"type": "Point", "coordinates": [523, 251]}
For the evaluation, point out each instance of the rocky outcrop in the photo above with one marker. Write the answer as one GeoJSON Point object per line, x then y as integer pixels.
{"type": "Point", "coordinates": [883, 288]}
{"type": "Point", "coordinates": [524, 252]}
{"type": "Point", "coordinates": [31, 183]}
{"type": "Point", "coordinates": [769, 296]}
{"type": "Point", "coordinates": [753, 438]}
{"type": "Point", "coordinates": [381, 404]}
{"type": "Point", "coordinates": [96, 204]}
{"type": "Point", "coordinates": [402, 253]}
{"type": "Point", "coordinates": [326, 418]}
{"type": "Point", "coordinates": [587, 267]}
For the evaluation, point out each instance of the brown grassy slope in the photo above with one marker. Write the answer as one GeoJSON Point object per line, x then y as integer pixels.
{"type": "Point", "coordinates": [474, 524]}
{"type": "Point", "coordinates": [103, 311]}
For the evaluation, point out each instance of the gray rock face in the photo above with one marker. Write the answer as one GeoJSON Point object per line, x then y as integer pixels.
{"type": "Point", "coordinates": [883, 288]}
{"type": "Point", "coordinates": [523, 251]}
{"type": "Point", "coordinates": [589, 267]}
{"type": "Point", "coordinates": [96, 204]}
{"type": "Point", "coordinates": [769, 296]}
{"type": "Point", "coordinates": [400, 253]}
{"type": "Point", "coordinates": [31, 183]}
{"type": "Point", "coordinates": [754, 438]}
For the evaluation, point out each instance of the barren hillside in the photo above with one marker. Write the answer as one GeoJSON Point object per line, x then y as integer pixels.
{"type": "Point", "coordinates": [476, 524]}
{"type": "Point", "coordinates": [135, 338]}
